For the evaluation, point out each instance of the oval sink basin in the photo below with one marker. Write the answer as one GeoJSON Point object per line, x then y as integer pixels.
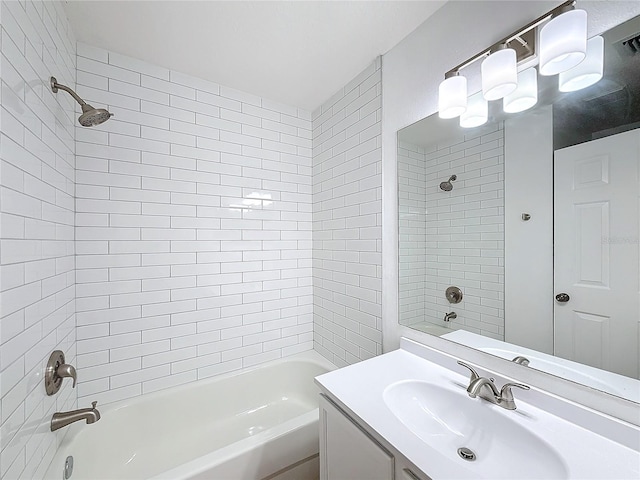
{"type": "Point", "coordinates": [448, 420]}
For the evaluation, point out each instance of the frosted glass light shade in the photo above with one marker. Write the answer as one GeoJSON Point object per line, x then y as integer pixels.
{"type": "Point", "coordinates": [526, 95]}
{"type": "Point", "coordinates": [563, 42]}
{"type": "Point", "coordinates": [477, 112]}
{"type": "Point", "coordinates": [452, 97]}
{"type": "Point", "coordinates": [499, 74]}
{"type": "Point", "coordinates": [587, 72]}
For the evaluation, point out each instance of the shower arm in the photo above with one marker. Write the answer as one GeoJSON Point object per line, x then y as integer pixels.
{"type": "Point", "coordinates": [55, 86]}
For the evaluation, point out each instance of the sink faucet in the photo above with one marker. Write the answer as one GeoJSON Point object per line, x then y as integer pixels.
{"type": "Point", "coordinates": [476, 387]}
{"type": "Point", "coordinates": [62, 419]}
{"type": "Point", "coordinates": [485, 388]}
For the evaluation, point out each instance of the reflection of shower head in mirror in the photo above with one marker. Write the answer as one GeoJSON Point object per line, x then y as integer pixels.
{"type": "Point", "coordinates": [448, 186]}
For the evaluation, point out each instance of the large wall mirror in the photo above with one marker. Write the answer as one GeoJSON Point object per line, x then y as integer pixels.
{"type": "Point", "coordinates": [521, 237]}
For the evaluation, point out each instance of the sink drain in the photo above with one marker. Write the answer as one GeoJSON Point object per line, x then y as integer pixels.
{"type": "Point", "coordinates": [466, 454]}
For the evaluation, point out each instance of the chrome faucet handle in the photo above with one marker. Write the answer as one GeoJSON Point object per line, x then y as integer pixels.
{"type": "Point", "coordinates": [67, 371]}
{"type": "Point", "coordinates": [506, 388]}
{"type": "Point", "coordinates": [506, 395]}
{"type": "Point", "coordinates": [520, 360]}
{"type": "Point", "coordinates": [93, 404]}
{"type": "Point", "coordinates": [474, 375]}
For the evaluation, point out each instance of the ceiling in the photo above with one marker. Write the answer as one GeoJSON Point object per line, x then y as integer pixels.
{"type": "Point", "coordinates": [295, 52]}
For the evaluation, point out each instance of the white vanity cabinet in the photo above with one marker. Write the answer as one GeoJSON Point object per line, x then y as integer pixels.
{"type": "Point", "coordinates": [349, 452]}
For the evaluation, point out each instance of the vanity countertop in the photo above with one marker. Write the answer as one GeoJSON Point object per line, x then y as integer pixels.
{"type": "Point", "coordinates": [361, 390]}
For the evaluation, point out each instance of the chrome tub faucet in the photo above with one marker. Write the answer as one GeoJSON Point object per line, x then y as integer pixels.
{"type": "Point", "coordinates": [485, 388]}
{"type": "Point", "coordinates": [62, 419]}
{"type": "Point", "coordinates": [450, 316]}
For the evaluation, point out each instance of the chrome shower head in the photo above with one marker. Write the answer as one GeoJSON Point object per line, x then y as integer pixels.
{"type": "Point", "coordinates": [90, 116]}
{"type": "Point", "coordinates": [93, 116]}
{"type": "Point", "coordinates": [448, 186]}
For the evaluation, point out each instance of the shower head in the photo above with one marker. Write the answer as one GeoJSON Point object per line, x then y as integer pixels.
{"type": "Point", "coordinates": [93, 116]}
{"type": "Point", "coordinates": [448, 186]}
{"type": "Point", "coordinates": [90, 116]}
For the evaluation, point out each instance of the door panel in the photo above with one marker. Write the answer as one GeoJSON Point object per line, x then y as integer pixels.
{"type": "Point", "coordinates": [596, 252]}
{"type": "Point", "coordinates": [592, 254]}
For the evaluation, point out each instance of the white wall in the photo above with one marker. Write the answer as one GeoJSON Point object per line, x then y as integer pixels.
{"type": "Point", "coordinates": [412, 72]}
{"type": "Point", "coordinates": [37, 308]}
{"type": "Point", "coordinates": [529, 245]}
{"type": "Point", "coordinates": [347, 221]}
{"type": "Point", "coordinates": [193, 229]}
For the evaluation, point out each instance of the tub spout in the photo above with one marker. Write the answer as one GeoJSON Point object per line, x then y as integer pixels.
{"type": "Point", "coordinates": [62, 419]}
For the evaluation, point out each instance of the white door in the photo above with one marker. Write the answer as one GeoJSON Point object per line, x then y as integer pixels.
{"type": "Point", "coordinates": [596, 252]}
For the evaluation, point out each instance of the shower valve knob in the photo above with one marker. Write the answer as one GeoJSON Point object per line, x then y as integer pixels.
{"type": "Point", "coordinates": [453, 294]}
{"type": "Point", "coordinates": [56, 371]}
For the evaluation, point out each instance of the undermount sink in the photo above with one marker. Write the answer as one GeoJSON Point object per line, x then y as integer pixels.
{"type": "Point", "coordinates": [448, 420]}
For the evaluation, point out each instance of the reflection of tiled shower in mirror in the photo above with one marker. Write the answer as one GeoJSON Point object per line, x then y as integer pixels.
{"type": "Point", "coordinates": [453, 236]}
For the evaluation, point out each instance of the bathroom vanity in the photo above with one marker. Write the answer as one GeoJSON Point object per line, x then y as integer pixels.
{"type": "Point", "coordinates": [408, 415]}
{"type": "Point", "coordinates": [350, 450]}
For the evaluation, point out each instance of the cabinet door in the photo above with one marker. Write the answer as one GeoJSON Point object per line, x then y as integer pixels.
{"type": "Point", "coordinates": [404, 471]}
{"type": "Point", "coordinates": [407, 474]}
{"type": "Point", "coordinates": [347, 452]}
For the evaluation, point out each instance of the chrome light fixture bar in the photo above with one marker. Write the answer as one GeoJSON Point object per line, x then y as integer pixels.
{"type": "Point", "coordinates": [561, 46]}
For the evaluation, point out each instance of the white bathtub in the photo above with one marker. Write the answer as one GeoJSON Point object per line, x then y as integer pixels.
{"type": "Point", "coordinates": [253, 424]}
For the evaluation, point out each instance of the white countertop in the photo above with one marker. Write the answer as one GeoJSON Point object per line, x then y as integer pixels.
{"type": "Point", "coordinates": [359, 390]}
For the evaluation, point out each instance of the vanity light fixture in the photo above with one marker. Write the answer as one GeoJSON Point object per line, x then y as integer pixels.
{"type": "Point", "coordinates": [526, 95]}
{"type": "Point", "coordinates": [499, 73]}
{"type": "Point", "coordinates": [586, 73]}
{"type": "Point", "coordinates": [452, 96]}
{"type": "Point", "coordinates": [556, 42]}
{"type": "Point", "coordinates": [563, 41]}
{"type": "Point", "coordinates": [477, 112]}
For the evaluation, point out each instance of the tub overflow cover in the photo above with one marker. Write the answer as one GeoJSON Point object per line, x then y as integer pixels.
{"type": "Point", "coordinates": [68, 467]}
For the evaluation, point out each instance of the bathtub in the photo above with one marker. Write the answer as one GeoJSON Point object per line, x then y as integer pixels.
{"type": "Point", "coordinates": [258, 423]}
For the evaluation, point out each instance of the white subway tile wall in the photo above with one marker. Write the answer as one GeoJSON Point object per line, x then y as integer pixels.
{"type": "Point", "coordinates": [37, 307]}
{"type": "Point", "coordinates": [465, 231]}
{"type": "Point", "coordinates": [347, 221]}
{"type": "Point", "coordinates": [193, 229]}
{"type": "Point", "coordinates": [412, 246]}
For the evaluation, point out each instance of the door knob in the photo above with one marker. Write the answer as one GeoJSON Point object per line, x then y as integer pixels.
{"type": "Point", "coordinates": [563, 297]}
